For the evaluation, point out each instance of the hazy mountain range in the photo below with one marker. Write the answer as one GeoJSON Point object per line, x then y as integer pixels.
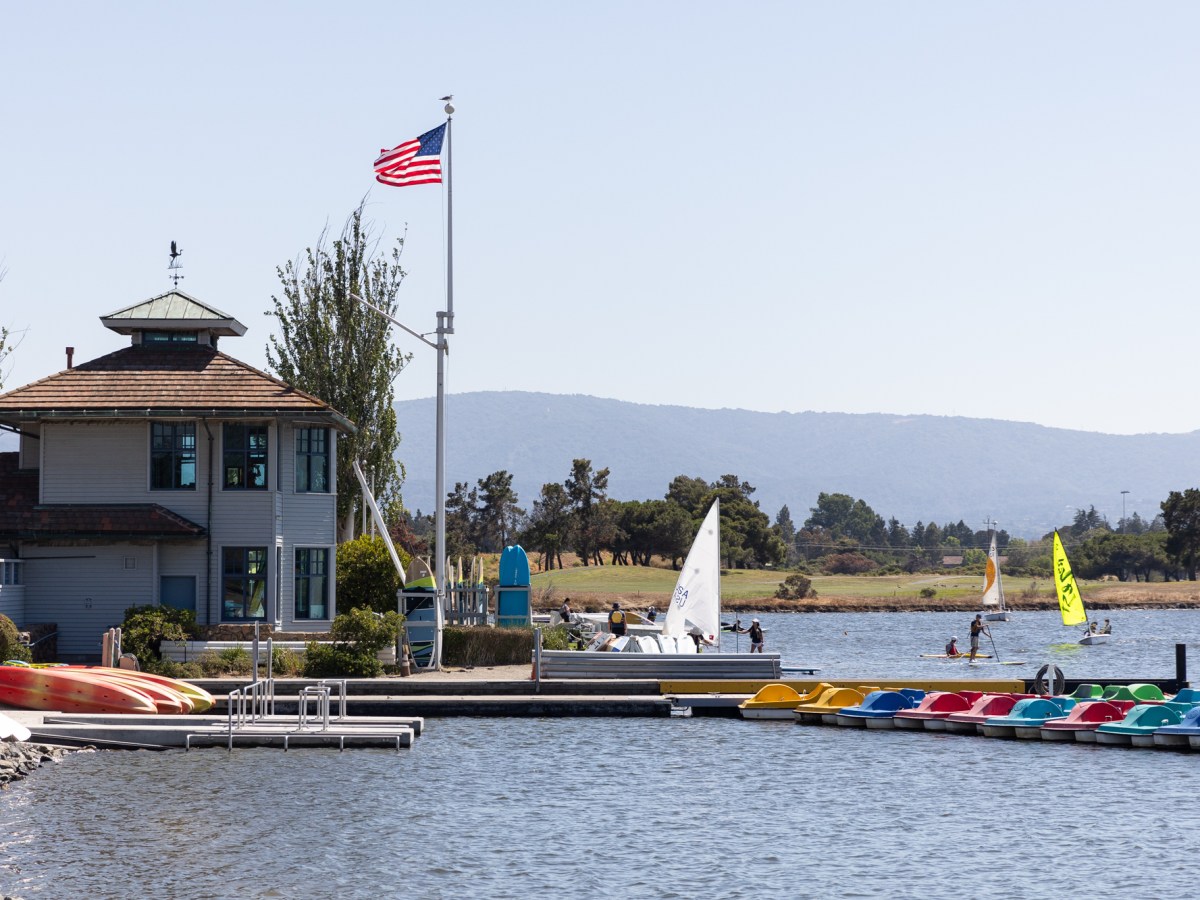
{"type": "Point", "coordinates": [1027, 477]}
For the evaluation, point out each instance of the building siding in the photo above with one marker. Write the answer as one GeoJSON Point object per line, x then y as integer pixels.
{"type": "Point", "coordinates": [85, 589]}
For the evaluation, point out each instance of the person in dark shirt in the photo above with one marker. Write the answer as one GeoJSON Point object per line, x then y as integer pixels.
{"type": "Point", "coordinates": [616, 621]}
{"type": "Point", "coordinates": [756, 637]}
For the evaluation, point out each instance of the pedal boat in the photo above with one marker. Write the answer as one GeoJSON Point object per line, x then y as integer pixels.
{"type": "Point", "coordinates": [1184, 736]}
{"type": "Point", "coordinates": [1084, 719]}
{"type": "Point", "coordinates": [776, 701]}
{"type": "Point", "coordinates": [986, 707]}
{"type": "Point", "coordinates": [1027, 718]}
{"type": "Point", "coordinates": [829, 704]}
{"type": "Point", "coordinates": [1139, 725]}
{"type": "Point", "coordinates": [878, 709]}
{"type": "Point", "coordinates": [934, 708]}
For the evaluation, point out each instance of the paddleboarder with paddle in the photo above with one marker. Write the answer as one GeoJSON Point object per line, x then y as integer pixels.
{"type": "Point", "coordinates": [977, 628]}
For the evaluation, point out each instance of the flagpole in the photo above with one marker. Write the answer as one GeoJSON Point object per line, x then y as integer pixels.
{"type": "Point", "coordinates": [445, 327]}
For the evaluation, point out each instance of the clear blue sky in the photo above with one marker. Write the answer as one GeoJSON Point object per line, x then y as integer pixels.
{"type": "Point", "coordinates": [975, 209]}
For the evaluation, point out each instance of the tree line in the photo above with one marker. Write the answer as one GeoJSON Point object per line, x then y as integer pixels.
{"type": "Point", "coordinates": [841, 535]}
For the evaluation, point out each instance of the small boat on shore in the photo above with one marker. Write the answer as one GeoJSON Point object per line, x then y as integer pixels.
{"type": "Point", "coordinates": [67, 690]}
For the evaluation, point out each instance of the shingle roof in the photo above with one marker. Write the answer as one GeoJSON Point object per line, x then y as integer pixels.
{"type": "Point", "coordinates": [143, 381]}
{"type": "Point", "coordinates": [22, 518]}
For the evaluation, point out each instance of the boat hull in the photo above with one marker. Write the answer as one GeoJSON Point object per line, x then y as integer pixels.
{"type": "Point", "coordinates": [777, 714]}
{"type": "Point", "coordinates": [996, 616]}
{"type": "Point", "coordinates": [1089, 640]}
{"type": "Point", "coordinates": [69, 691]}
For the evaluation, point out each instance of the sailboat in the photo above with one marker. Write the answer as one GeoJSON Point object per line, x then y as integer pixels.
{"type": "Point", "coordinates": [1070, 601]}
{"type": "Point", "coordinates": [993, 587]}
{"type": "Point", "coordinates": [696, 602]}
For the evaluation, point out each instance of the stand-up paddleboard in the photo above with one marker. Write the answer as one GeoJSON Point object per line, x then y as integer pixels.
{"type": "Point", "coordinates": [422, 619]}
{"type": "Point", "coordinates": [63, 690]}
{"type": "Point", "coordinates": [955, 656]}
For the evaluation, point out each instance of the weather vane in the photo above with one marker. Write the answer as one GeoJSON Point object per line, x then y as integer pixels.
{"type": "Point", "coordinates": [175, 265]}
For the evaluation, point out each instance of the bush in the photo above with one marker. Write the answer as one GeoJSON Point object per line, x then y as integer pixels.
{"type": "Point", "coordinates": [358, 636]}
{"type": "Point", "coordinates": [366, 577]}
{"type": "Point", "coordinates": [286, 663]}
{"type": "Point", "coordinates": [795, 587]}
{"type": "Point", "coordinates": [146, 627]}
{"type": "Point", "coordinates": [848, 564]}
{"type": "Point", "coordinates": [10, 642]}
{"type": "Point", "coordinates": [171, 669]}
{"type": "Point", "coordinates": [339, 661]}
{"type": "Point", "coordinates": [928, 593]}
{"type": "Point", "coordinates": [486, 646]}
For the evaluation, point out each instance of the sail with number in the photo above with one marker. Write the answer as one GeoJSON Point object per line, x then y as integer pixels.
{"type": "Point", "coordinates": [1070, 601]}
{"type": "Point", "coordinates": [696, 602]}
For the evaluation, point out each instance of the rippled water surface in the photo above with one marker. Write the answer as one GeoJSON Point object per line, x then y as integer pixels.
{"type": "Point", "coordinates": [632, 808]}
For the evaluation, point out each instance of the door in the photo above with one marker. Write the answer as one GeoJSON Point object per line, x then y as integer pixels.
{"type": "Point", "coordinates": [178, 591]}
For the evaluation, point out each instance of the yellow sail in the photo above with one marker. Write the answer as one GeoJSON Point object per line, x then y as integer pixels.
{"type": "Point", "coordinates": [1070, 603]}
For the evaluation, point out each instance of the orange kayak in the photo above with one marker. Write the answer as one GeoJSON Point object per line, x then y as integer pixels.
{"type": "Point", "coordinates": [167, 699]}
{"type": "Point", "coordinates": [68, 690]}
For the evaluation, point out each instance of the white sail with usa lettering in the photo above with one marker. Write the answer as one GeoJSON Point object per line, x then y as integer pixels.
{"type": "Point", "coordinates": [696, 602]}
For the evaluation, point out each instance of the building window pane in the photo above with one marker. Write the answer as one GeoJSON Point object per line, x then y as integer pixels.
{"type": "Point", "coordinates": [245, 456]}
{"type": "Point", "coordinates": [312, 583]}
{"type": "Point", "coordinates": [243, 583]}
{"type": "Point", "coordinates": [170, 337]}
{"type": "Point", "coordinates": [312, 460]}
{"type": "Point", "coordinates": [173, 456]}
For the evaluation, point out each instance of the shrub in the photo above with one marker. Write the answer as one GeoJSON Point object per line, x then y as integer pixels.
{"type": "Point", "coordinates": [795, 587]}
{"type": "Point", "coordinates": [848, 564]}
{"type": "Point", "coordinates": [366, 577]}
{"type": "Point", "coordinates": [236, 660]}
{"type": "Point", "coordinates": [486, 646]}
{"type": "Point", "coordinates": [171, 669]}
{"type": "Point", "coordinates": [928, 593]}
{"type": "Point", "coordinates": [10, 642]}
{"type": "Point", "coordinates": [336, 660]}
{"type": "Point", "coordinates": [286, 663]}
{"type": "Point", "coordinates": [146, 627]}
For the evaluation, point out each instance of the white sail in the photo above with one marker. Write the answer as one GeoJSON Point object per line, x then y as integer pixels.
{"type": "Point", "coordinates": [993, 589]}
{"type": "Point", "coordinates": [696, 602]}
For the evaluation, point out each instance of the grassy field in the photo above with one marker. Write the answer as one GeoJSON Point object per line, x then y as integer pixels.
{"type": "Point", "coordinates": [594, 588]}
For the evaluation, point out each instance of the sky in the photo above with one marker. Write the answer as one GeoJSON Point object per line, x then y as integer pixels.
{"type": "Point", "coordinates": [960, 209]}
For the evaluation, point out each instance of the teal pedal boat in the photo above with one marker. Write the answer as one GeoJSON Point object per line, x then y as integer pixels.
{"type": "Point", "coordinates": [1082, 721]}
{"type": "Point", "coordinates": [1027, 717]}
{"type": "Point", "coordinates": [1185, 735]}
{"type": "Point", "coordinates": [1139, 725]}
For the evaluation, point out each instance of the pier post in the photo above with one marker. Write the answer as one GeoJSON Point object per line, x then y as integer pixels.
{"type": "Point", "coordinates": [1181, 666]}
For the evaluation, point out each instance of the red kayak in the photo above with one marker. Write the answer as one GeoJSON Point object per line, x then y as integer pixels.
{"type": "Point", "coordinates": [65, 690]}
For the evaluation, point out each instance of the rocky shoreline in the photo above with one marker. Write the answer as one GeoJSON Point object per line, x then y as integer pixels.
{"type": "Point", "coordinates": [18, 759]}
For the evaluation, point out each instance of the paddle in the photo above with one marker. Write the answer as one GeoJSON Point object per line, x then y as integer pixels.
{"type": "Point", "coordinates": [995, 652]}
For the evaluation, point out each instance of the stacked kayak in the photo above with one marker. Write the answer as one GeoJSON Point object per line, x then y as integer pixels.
{"type": "Point", "coordinates": [97, 689]}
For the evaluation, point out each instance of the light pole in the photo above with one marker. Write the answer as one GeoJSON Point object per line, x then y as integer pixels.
{"type": "Point", "coordinates": [1123, 493]}
{"type": "Point", "coordinates": [441, 347]}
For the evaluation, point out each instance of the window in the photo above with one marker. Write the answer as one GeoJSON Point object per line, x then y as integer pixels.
{"type": "Point", "coordinates": [243, 583]}
{"type": "Point", "coordinates": [172, 456]}
{"type": "Point", "coordinates": [312, 585]}
{"type": "Point", "coordinates": [170, 337]}
{"type": "Point", "coordinates": [245, 448]}
{"type": "Point", "coordinates": [312, 460]}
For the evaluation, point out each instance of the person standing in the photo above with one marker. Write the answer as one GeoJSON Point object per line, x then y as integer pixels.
{"type": "Point", "coordinates": [756, 637]}
{"type": "Point", "coordinates": [977, 628]}
{"type": "Point", "coordinates": [616, 620]}
{"type": "Point", "coordinates": [565, 610]}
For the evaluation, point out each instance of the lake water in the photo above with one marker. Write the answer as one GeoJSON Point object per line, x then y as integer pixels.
{"type": "Point", "coordinates": [664, 808]}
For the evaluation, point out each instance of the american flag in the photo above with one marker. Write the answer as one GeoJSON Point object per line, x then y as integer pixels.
{"type": "Point", "coordinates": [418, 161]}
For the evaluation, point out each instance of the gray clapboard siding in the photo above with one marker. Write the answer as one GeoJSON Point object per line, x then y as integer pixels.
{"type": "Point", "coordinates": [86, 590]}
{"type": "Point", "coordinates": [12, 603]}
{"type": "Point", "coordinates": [92, 462]}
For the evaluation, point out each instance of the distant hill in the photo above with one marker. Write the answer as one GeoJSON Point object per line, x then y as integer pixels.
{"type": "Point", "coordinates": [1027, 477]}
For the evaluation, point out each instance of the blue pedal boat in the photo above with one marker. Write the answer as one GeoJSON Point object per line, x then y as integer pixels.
{"type": "Point", "coordinates": [879, 708]}
{"type": "Point", "coordinates": [1185, 735]}
{"type": "Point", "coordinates": [1138, 726]}
{"type": "Point", "coordinates": [1027, 717]}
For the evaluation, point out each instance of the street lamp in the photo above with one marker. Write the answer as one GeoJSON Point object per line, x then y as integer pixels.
{"type": "Point", "coordinates": [1123, 493]}
{"type": "Point", "coordinates": [442, 348]}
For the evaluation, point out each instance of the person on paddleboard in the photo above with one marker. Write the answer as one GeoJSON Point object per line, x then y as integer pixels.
{"type": "Point", "coordinates": [977, 628]}
{"type": "Point", "coordinates": [952, 647]}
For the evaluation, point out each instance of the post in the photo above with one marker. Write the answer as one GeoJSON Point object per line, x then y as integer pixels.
{"type": "Point", "coordinates": [537, 660]}
{"type": "Point", "coordinates": [1181, 666]}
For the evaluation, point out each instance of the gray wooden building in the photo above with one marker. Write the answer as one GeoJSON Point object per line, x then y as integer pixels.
{"type": "Point", "coordinates": [167, 473]}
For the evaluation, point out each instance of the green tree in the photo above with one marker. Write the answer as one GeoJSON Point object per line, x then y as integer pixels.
{"type": "Point", "coordinates": [593, 526]}
{"type": "Point", "coordinates": [498, 516]}
{"type": "Point", "coordinates": [332, 346]}
{"type": "Point", "coordinates": [366, 576]}
{"type": "Point", "coordinates": [690, 493]}
{"type": "Point", "coordinates": [1181, 515]}
{"type": "Point", "coordinates": [461, 520]}
{"type": "Point", "coordinates": [843, 516]}
{"type": "Point", "coordinates": [548, 528]}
